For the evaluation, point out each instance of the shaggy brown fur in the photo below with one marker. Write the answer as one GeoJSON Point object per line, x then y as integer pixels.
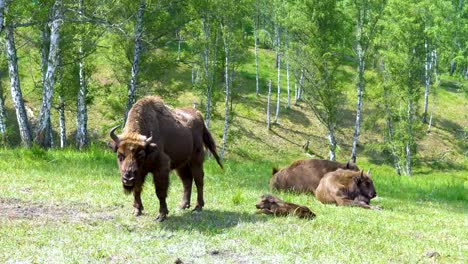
{"type": "Point", "coordinates": [349, 188]}
{"type": "Point", "coordinates": [305, 175]}
{"type": "Point", "coordinates": [270, 204]}
{"type": "Point", "coordinates": [158, 139]}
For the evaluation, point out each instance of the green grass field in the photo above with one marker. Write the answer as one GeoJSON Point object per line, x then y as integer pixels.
{"type": "Point", "coordinates": [68, 207]}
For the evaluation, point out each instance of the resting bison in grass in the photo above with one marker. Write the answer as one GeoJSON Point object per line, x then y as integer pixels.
{"type": "Point", "coordinates": [344, 187]}
{"type": "Point", "coordinates": [305, 175]}
{"type": "Point", "coordinates": [269, 204]}
{"type": "Point", "coordinates": [158, 139]}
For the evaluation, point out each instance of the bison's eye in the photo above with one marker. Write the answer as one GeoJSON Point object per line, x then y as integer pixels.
{"type": "Point", "coordinates": [120, 157]}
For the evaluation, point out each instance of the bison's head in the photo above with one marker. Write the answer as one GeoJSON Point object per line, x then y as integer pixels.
{"type": "Point", "coordinates": [366, 188]}
{"type": "Point", "coordinates": [267, 202]}
{"type": "Point", "coordinates": [133, 151]}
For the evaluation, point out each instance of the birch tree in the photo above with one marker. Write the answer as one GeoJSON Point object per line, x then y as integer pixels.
{"type": "Point", "coordinates": [367, 15]}
{"type": "Point", "coordinates": [136, 58]}
{"type": "Point", "coordinates": [278, 65]}
{"type": "Point", "coordinates": [268, 106]}
{"type": "Point", "coordinates": [227, 81]}
{"type": "Point", "coordinates": [16, 94]}
{"type": "Point", "coordinates": [322, 33]}
{"type": "Point", "coordinates": [256, 28]}
{"type": "Point", "coordinates": [42, 135]}
{"type": "Point", "coordinates": [404, 58]}
{"type": "Point", "coordinates": [2, 98]}
{"type": "Point", "coordinates": [81, 105]}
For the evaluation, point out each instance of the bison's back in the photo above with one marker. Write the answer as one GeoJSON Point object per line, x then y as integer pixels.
{"type": "Point", "coordinates": [304, 175]}
{"type": "Point", "coordinates": [334, 184]}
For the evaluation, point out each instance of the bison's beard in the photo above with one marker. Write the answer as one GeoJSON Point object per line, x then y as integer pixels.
{"type": "Point", "coordinates": [127, 189]}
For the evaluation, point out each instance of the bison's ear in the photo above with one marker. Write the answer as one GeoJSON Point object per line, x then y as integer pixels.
{"type": "Point", "coordinates": [112, 145]}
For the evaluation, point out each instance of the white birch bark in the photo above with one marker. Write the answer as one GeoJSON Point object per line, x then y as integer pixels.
{"type": "Point", "coordinates": [288, 83]}
{"type": "Point", "coordinates": [206, 58]}
{"type": "Point", "coordinates": [436, 77]}
{"type": "Point", "coordinates": [136, 58]}
{"type": "Point", "coordinates": [81, 106]}
{"type": "Point", "coordinates": [2, 14]}
{"type": "Point", "coordinates": [2, 118]}
{"type": "Point", "coordinates": [427, 80]}
{"type": "Point", "coordinates": [226, 101]}
{"type": "Point", "coordinates": [268, 106]}
{"type": "Point", "coordinates": [2, 99]}
{"type": "Point", "coordinates": [21, 116]}
{"type": "Point", "coordinates": [360, 85]}
{"type": "Point", "coordinates": [63, 130]}
{"type": "Point", "coordinates": [332, 141]}
{"type": "Point", "coordinates": [278, 58]}
{"type": "Point", "coordinates": [43, 132]}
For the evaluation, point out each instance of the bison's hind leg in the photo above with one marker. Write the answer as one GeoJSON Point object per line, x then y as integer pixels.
{"type": "Point", "coordinates": [185, 176]}
{"type": "Point", "coordinates": [198, 175]}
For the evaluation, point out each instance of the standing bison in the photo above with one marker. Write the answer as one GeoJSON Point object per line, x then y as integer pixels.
{"type": "Point", "coordinates": [158, 139]}
{"type": "Point", "coordinates": [349, 188]}
{"type": "Point", "coordinates": [305, 175]}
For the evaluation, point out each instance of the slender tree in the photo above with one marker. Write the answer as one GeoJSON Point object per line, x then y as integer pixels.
{"type": "Point", "coordinates": [81, 105]}
{"type": "Point", "coordinates": [16, 94]}
{"type": "Point", "coordinates": [136, 57]}
{"type": "Point", "coordinates": [268, 106]}
{"type": "Point", "coordinates": [43, 133]}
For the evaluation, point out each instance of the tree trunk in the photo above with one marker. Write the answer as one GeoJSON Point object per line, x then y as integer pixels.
{"type": "Point", "coordinates": [136, 58]}
{"type": "Point", "coordinates": [278, 64]}
{"type": "Point", "coordinates": [226, 102]}
{"type": "Point", "coordinates": [63, 130]}
{"type": "Point", "coordinates": [81, 106]}
{"type": "Point", "coordinates": [268, 106]}
{"type": "Point", "coordinates": [332, 141]}
{"type": "Point", "coordinates": [427, 77]}
{"type": "Point", "coordinates": [43, 130]}
{"type": "Point", "coordinates": [436, 77]}
{"type": "Point", "coordinates": [256, 25]}
{"type": "Point", "coordinates": [360, 89]}
{"type": "Point", "coordinates": [3, 137]}
{"type": "Point", "coordinates": [409, 132]}
{"type": "Point", "coordinates": [22, 118]}
{"type": "Point", "coordinates": [287, 79]}
{"type": "Point", "coordinates": [209, 77]}
{"type": "Point", "coordinates": [2, 14]}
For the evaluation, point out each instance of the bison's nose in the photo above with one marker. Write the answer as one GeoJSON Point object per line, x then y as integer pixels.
{"type": "Point", "coordinates": [128, 179]}
{"type": "Point", "coordinates": [373, 195]}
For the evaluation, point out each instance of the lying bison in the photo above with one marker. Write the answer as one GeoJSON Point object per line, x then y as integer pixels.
{"type": "Point", "coordinates": [270, 204]}
{"type": "Point", "coordinates": [344, 187]}
{"type": "Point", "coordinates": [305, 175]}
{"type": "Point", "coordinates": [158, 139]}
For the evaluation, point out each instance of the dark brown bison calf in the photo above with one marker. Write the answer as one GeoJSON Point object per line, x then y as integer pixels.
{"type": "Point", "coordinates": [305, 175]}
{"type": "Point", "coordinates": [344, 187]}
{"type": "Point", "coordinates": [269, 204]}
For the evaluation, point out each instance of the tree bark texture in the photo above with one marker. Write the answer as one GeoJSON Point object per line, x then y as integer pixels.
{"type": "Point", "coordinates": [332, 141]}
{"type": "Point", "coordinates": [226, 101]}
{"type": "Point", "coordinates": [43, 133]}
{"type": "Point", "coordinates": [268, 106]}
{"type": "Point", "coordinates": [3, 137]}
{"type": "Point", "coordinates": [427, 81]}
{"type": "Point", "coordinates": [2, 14]}
{"type": "Point", "coordinates": [81, 105]}
{"type": "Point", "coordinates": [278, 64]}
{"type": "Point", "coordinates": [136, 58]}
{"type": "Point", "coordinates": [63, 129]}
{"type": "Point", "coordinates": [22, 118]}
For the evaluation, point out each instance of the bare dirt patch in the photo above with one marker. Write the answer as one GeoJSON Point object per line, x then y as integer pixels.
{"type": "Point", "coordinates": [13, 209]}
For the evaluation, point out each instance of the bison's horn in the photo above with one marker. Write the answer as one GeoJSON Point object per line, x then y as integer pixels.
{"type": "Point", "coordinates": [368, 172]}
{"type": "Point", "coordinates": [347, 165]}
{"type": "Point", "coordinates": [113, 135]}
{"type": "Point", "coordinates": [148, 140]}
{"type": "Point", "coordinates": [362, 172]}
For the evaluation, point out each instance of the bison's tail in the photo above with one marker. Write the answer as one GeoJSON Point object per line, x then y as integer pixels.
{"type": "Point", "coordinates": [211, 145]}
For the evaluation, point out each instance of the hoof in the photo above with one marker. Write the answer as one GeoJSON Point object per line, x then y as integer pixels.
{"type": "Point", "coordinates": [161, 217]}
{"type": "Point", "coordinates": [184, 206]}
{"type": "Point", "coordinates": [137, 212]}
{"type": "Point", "coordinates": [197, 208]}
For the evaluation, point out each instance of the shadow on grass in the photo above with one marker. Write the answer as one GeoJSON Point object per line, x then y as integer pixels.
{"type": "Point", "coordinates": [209, 221]}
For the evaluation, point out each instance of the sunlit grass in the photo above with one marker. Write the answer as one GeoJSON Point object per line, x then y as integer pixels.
{"type": "Point", "coordinates": [71, 209]}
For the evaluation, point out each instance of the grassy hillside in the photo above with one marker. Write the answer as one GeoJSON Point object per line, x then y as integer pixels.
{"type": "Point", "coordinates": [67, 206]}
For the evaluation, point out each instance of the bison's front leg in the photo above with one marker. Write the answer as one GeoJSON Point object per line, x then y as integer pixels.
{"type": "Point", "coordinates": [137, 204]}
{"type": "Point", "coordinates": [186, 176]}
{"type": "Point", "coordinates": [161, 184]}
